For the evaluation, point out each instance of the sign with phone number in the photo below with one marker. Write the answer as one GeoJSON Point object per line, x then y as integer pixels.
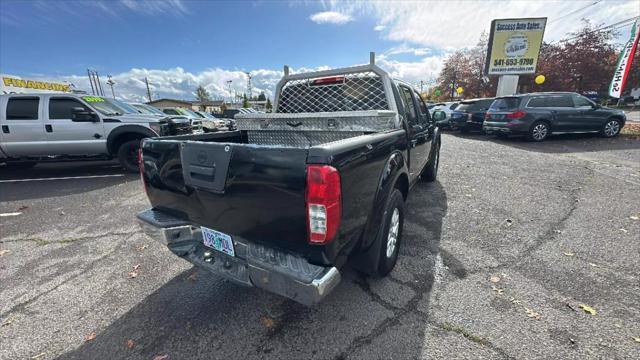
{"type": "Point", "coordinates": [514, 46]}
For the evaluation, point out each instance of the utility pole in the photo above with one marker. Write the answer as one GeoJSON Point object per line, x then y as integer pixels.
{"type": "Point", "coordinates": [93, 92]}
{"type": "Point", "coordinates": [453, 85]}
{"type": "Point", "coordinates": [111, 83]}
{"type": "Point", "coordinates": [229, 86]}
{"type": "Point", "coordinates": [248, 85]}
{"type": "Point", "coordinates": [99, 84]}
{"type": "Point", "coordinates": [421, 84]}
{"type": "Point", "coordinates": [148, 90]}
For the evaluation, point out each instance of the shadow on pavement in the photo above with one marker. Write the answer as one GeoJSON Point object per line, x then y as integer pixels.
{"type": "Point", "coordinates": [79, 177]}
{"type": "Point", "coordinates": [202, 316]}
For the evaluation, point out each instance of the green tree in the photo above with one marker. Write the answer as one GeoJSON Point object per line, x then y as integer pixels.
{"type": "Point", "coordinates": [202, 94]}
{"type": "Point", "coordinates": [269, 106]}
{"type": "Point", "coordinates": [262, 97]}
{"type": "Point", "coordinates": [245, 101]}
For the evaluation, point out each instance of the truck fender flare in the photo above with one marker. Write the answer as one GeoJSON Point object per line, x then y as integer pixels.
{"type": "Point", "coordinates": [395, 168]}
{"type": "Point", "coordinates": [129, 131]}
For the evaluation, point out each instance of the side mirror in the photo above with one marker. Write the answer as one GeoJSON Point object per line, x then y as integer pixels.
{"type": "Point", "coordinates": [80, 114]}
{"type": "Point", "coordinates": [439, 115]}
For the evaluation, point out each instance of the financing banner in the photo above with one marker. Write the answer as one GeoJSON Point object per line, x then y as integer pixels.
{"type": "Point", "coordinates": [624, 62]}
{"type": "Point", "coordinates": [11, 84]}
{"type": "Point", "coordinates": [514, 45]}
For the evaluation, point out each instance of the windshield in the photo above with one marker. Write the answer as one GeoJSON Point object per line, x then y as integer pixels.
{"type": "Point", "coordinates": [188, 112]}
{"type": "Point", "coordinates": [502, 104]}
{"type": "Point", "coordinates": [477, 105]}
{"type": "Point", "coordinates": [148, 109]}
{"type": "Point", "coordinates": [104, 106]}
{"type": "Point", "coordinates": [206, 115]}
{"type": "Point", "coordinates": [128, 109]}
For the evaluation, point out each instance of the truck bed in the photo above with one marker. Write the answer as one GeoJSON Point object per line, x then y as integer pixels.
{"type": "Point", "coordinates": [251, 183]}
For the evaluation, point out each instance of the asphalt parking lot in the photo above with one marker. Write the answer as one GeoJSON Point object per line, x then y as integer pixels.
{"type": "Point", "coordinates": [520, 250]}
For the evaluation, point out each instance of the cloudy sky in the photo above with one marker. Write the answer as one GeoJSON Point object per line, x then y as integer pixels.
{"type": "Point", "coordinates": [180, 44]}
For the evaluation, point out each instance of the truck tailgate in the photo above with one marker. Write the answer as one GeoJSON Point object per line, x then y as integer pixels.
{"type": "Point", "coordinates": [255, 192]}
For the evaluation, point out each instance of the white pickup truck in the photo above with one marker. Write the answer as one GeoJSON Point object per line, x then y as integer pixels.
{"type": "Point", "coordinates": [57, 126]}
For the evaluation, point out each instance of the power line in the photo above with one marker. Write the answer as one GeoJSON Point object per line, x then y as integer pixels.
{"type": "Point", "coordinates": [574, 11]}
{"type": "Point", "coordinates": [613, 26]}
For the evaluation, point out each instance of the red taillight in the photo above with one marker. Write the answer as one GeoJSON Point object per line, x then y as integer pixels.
{"type": "Point", "coordinates": [328, 80]}
{"type": "Point", "coordinates": [487, 116]}
{"type": "Point", "coordinates": [324, 203]}
{"type": "Point", "coordinates": [141, 168]}
{"type": "Point", "coordinates": [516, 115]}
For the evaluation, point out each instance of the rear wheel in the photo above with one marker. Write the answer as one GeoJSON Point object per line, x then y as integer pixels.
{"type": "Point", "coordinates": [539, 131]}
{"type": "Point", "coordinates": [611, 128]}
{"type": "Point", "coordinates": [390, 233]}
{"type": "Point", "coordinates": [128, 155]}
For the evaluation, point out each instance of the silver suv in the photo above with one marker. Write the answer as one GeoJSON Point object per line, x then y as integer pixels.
{"type": "Point", "coordinates": [54, 126]}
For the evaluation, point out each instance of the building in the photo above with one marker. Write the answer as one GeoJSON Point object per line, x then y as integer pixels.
{"type": "Point", "coordinates": [161, 103]}
{"type": "Point", "coordinates": [210, 106]}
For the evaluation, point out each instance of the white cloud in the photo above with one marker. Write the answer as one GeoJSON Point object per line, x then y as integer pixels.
{"type": "Point", "coordinates": [455, 24]}
{"type": "Point", "coordinates": [331, 17]}
{"type": "Point", "coordinates": [153, 7]}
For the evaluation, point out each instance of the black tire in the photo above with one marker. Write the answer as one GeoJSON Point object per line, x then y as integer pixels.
{"type": "Point", "coordinates": [539, 131]}
{"type": "Point", "coordinates": [430, 171]}
{"type": "Point", "coordinates": [21, 164]}
{"type": "Point", "coordinates": [128, 155]}
{"type": "Point", "coordinates": [387, 261]}
{"type": "Point", "coordinates": [611, 128]}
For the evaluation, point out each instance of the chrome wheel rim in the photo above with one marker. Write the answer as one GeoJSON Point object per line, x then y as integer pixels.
{"type": "Point", "coordinates": [540, 131]}
{"type": "Point", "coordinates": [392, 237]}
{"type": "Point", "coordinates": [611, 128]}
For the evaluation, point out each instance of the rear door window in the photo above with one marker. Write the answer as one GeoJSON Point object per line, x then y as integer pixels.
{"type": "Point", "coordinates": [581, 101]}
{"type": "Point", "coordinates": [61, 108]}
{"type": "Point", "coordinates": [425, 117]}
{"type": "Point", "coordinates": [23, 108]}
{"type": "Point", "coordinates": [559, 101]}
{"type": "Point", "coordinates": [505, 104]}
{"type": "Point", "coordinates": [407, 101]}
{"type": "Point", "coordinates": [537, 102]}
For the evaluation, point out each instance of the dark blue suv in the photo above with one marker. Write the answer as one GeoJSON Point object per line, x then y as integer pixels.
{"type": "Point", "coordinates": [469, 115]}
{"type": "Point", "coordinates": [538, 115]}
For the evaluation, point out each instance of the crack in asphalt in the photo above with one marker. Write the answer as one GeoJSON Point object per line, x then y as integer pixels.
{"type": "Point", "coordinates": [21, 306]}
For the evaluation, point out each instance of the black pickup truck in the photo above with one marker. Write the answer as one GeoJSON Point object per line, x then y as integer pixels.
{"type": "Point", "coordinates": [291, 196]}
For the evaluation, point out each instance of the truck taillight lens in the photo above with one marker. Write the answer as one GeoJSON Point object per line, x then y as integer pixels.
{"type": "Point", "coordinates": [324, 203]}
{"type": "Point", "coordinates": [516, 115]}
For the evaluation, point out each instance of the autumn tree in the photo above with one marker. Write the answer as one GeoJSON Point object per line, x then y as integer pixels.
{"type": "Point", "coordinates": [202, 94]}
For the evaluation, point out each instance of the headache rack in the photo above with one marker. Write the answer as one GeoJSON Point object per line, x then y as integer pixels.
{"type": "Point", "coordinates": [325, 106]}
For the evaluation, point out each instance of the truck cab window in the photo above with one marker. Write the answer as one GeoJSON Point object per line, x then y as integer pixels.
{"type": "Point", "coordinates": [61, 108]}
{"type": "Point", "coordinates": [409, 107]}
{"type": "Point", "coordinates": [581, 101]}
{"type": "Point", "coordinates": [425, 117]}
{"type": "Point", "coordinates": [23, 108]}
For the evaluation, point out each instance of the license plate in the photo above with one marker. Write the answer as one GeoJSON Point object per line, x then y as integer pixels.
{"type": "Point", "coordinates": [217, 240]}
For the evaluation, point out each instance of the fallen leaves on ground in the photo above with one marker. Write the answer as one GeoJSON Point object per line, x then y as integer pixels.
{"type": "Point", "coordinates": [130, 344]}
{"type": "Point", "coordinates": [532, 314]}
{"type": "Point", "coordinates": [636, 338]}
{"type": "Point", "coordinates": [4, 252]}
{"type": "Point", "coordinates": [133, 274]}
{"type": "Point", "coordinates": [23, 207]}
{"type": "Point", "coordinates": [515, 301]}
{"type": "Point", "coordinates": [193, 276]}
{"type": "Point", "coordinates": [494, 279]}
{"type": "Point", "coordinates": [35, 357]}
{"type": "Point", "coordinates": [267, 322]}
{"type": "Point", "coordinates": [568, 253]}
{"type": "Point", "coordinates": [7, 322]}
{"type": "Point", "coordinates": [588, 309]}
{"type": "Point", "coordinates": [90, 337]}
{"type": "Point", "coordinates": [161, 357]}
{"type": "Point", "coordinates": [142, 247]}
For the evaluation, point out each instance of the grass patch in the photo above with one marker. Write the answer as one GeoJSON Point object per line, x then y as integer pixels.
{"type": "Point", "coordinates": [464, 332]}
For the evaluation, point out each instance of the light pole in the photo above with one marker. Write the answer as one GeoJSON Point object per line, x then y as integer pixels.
{"type": "Point", "coordinates": [229, 86]}
{"type": "Point", "coordinates": [111, 83]}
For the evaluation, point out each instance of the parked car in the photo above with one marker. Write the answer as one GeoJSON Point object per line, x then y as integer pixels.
{"type": "Point", "coordinates": [447, 108]}
{"type": "Point", "coordinates": [178, 124]}
{"type": "Point", "coordinates": [211, 123]}
{"type": "Point", "coordinates": [539, 115]}
{"type": "Point", "coordinates": [58, 126]}
{"type": "Point", "coordinates": [194, 119]}
{"type": "Point", "coordinates": [292, 196]}
{"type": "Point", "coordinates": [469, 114]}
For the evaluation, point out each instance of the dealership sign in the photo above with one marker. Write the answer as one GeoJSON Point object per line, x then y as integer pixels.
{"type": "Point", "coordinates": [624, 63]}
{"type": "Point", "coordinates": [12, 84]}
{"type": "Point", "coordinates": [514, 45]}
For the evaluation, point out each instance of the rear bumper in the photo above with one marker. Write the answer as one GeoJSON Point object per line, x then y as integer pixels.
{"type": "Point", "coordinates": [513, 127]}
{"type": "Point", "coordinates": [254, 264]}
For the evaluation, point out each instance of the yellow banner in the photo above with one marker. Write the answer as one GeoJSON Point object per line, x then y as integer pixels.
{"type": "Point", "coordinates": [514, 46]}
{"type": "Point", "coordinates": [33, 84]}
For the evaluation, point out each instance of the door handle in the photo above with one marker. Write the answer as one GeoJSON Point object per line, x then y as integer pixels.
{"type": "Point", "coordinates": [413, 143]}
{"type": "Point", "coordinates": [49, 128]}
{"type": "Point", "coordinates": [5, 129]}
